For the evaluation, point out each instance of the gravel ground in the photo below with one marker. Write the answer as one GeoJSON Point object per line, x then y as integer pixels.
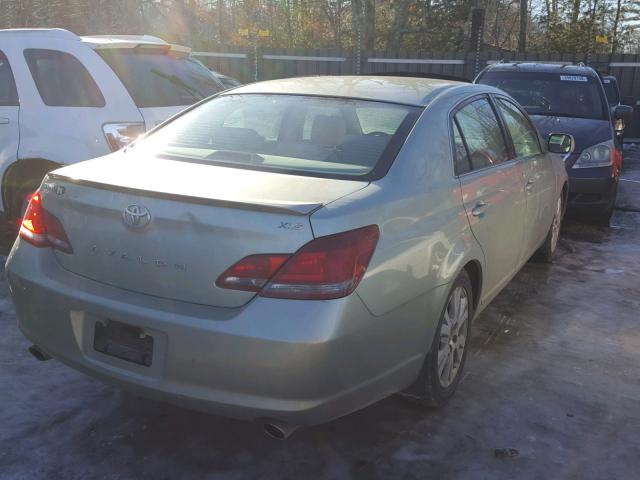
{"type": "Point", "coordinates": [553, 374]}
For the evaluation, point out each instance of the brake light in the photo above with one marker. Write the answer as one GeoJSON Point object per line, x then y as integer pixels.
{"type": "Point", "coordinates": [43, 229]}
{"type": "Point", "coordinates": [325, 268]}
{"type": "Point", "coordinates": [251, 273]}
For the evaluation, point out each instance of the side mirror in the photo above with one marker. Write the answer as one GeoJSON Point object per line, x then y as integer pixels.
{"type": "Point", "coordinates": [624, 113]}
{"type": "Point", "coordinates": [561, 143]}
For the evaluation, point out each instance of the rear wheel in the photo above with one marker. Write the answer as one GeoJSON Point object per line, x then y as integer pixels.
{"type": "Point", "coordinates": [548, 248]}
{"type": "Point", "coordinates": [22, 198]}
{"type": "Point", "coordinates": [443, 365]}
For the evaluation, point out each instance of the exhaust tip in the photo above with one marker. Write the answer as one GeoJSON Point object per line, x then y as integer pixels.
{"type": "Point", "coordinates": [38, 354]}
{"type": "Point", "coordinates": [278, 431]}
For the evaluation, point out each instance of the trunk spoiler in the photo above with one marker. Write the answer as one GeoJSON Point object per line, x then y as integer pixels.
{"type": "Point", "coordinates": [291, 208]}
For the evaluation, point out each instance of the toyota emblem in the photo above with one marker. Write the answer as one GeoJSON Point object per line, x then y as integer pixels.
{"type": "Point", "coordinates": [136, 216]}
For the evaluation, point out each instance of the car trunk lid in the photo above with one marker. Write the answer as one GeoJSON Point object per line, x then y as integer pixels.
{"type": "Point", "coordinates": [170, 228]}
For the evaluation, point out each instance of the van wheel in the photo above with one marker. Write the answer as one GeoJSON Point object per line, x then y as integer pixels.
{"type": "Point", "coordinates": [548, 248]}
{"type": "Point", "coordinates": [443, 365]}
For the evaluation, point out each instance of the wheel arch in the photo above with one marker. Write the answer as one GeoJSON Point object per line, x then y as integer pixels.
{"type": "Point", "coordinates": [19, 173]}
{"type": "Point", "coordinates": [474, 270]}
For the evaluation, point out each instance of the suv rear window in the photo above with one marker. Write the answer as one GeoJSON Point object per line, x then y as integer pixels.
{"type": "Point", "coordinates": [62, 80]}
{"type": "Point", "coordinates": [555, 94]}
{"type": "Point", "coordinates": [304, 135]}
{"type": "Point", "coordinates": [157, 78]}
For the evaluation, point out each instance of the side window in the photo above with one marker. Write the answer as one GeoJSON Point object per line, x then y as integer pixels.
{"type": "Point", "coordinates": [62, 80]}
{"type": "Point", "coordinates": [460, 156]}
{"type": "Point", "coordinates": [525, 139]}
{"type": "Point", "coordinates": [8, 92]}
{"type": "Point", "coordinates": [482, 134]}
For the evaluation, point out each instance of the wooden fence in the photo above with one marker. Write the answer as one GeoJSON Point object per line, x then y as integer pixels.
{"type": "Point", "coordinates": [250, 65]}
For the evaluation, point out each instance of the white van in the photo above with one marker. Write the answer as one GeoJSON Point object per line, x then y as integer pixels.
{"type": "Point", "coordinates": [65, 98]}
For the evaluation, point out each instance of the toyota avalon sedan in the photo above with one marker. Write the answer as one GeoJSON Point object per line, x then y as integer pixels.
{"type": "Point", "coordinates": [293, 250]}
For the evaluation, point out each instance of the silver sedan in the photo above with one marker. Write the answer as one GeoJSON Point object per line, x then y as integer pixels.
{"type": "Point", "coordinates": [291, 251]}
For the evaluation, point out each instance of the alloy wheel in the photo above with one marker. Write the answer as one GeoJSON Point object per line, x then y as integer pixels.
{"type": "Point", "coordinates": [453, 336]}
{"type": "Point", "coordinates": [555, 226]}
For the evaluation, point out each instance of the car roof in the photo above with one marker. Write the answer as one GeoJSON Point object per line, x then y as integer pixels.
{"type": "Point", "coordinates": [542, 68]}
{"type": "Point", "coordinates": [93, 41]}
{"type": "Point", "coordinates": [404, 90]}
{"type": "Point", "coordinates": [39, 33]}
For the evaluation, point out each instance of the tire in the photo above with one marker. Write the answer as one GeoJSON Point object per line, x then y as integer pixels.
{"type": "Point", "coordinates": [22, 197]}
{"type": "Point", "coordinates": [550, 244]}
{"type": "Point", "coordinates": [604, 219]}
{"type": "Point", "coordinates": [434, 386]}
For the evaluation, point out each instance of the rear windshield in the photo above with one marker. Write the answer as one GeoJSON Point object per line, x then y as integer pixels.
{"type": "Point", "coordinates": [561, 95]}
{"type": "Point", "coordinates": [155, 78]}
{"type": "Point", "coordinates": [317, 136]}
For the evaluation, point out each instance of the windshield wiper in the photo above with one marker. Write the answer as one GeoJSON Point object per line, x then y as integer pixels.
{"type": "Point", "coordinates": [174, 80]}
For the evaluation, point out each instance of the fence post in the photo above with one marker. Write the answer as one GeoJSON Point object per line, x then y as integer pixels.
{"type": "Point", "coordinates": [477, 30]}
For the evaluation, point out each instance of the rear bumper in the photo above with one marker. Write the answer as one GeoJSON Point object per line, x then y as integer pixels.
{"type": "Point", "coordinates": [298, 362]}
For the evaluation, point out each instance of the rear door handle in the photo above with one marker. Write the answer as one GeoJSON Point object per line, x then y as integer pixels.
{"type": "Point", "coordinates": [479, 209]}
{"type": "Point", "coordinates": [530, 183]}
{"type": "Point", "coordinates": [4, 121]}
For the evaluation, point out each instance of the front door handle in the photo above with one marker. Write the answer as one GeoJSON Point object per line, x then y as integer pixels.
{"type": "Point", "coordinates": [479, 209]}
{"type": "Point", "coordinates": [530, 183]}
{"type": "Point", "coordinates": [4, 121]}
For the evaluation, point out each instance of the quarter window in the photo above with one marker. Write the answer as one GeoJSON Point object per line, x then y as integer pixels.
{"type": "Point", "coordinates": [460, 156]}
{"type": "Point", "coordinates": [525, 139]}
{"type": "Point", "coordinates": [62, 80]}
{"type": "Point", "coordinates": [482, 134]}
{"type": "Point", "coordinates": [8, 93]}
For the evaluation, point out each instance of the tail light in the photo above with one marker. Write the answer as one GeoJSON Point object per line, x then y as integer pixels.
{"type": "Point", "coordinates": [325, 268]}
{"type": "Point", "coordinates": [119, 135]}
{"type": "Point", "coordinates": [43, 229]}
{"type": "Point", "coordinates": [252, 272]}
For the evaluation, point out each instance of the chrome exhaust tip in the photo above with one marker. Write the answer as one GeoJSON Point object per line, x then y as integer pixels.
{"type": "Point", "coordinates": [278, 430]}
{"type": "Point", "coordinates": [39, 354]}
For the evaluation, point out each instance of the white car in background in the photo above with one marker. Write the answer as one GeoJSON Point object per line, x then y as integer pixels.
{"type": "Point", "coordinates": [65, 98]}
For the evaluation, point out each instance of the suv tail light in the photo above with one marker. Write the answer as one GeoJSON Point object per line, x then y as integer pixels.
{"type": "Point", "coordinates": [119, 135]}
{"type": "Point", "coordinates": [43, 229]}
{"type": "Point", "coordinates": [325, 268]}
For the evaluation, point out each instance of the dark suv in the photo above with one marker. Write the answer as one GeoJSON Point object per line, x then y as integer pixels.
{"type": "Point", "coordinates": [571, 99]}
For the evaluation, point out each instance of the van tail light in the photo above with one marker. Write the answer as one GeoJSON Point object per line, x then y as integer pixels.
{"type": "Point", "coordinates": [43, 229]}
{"type": "Point", "coordinates": [325, 268]}
{"type": "Point", "coordinates": [119, 135]}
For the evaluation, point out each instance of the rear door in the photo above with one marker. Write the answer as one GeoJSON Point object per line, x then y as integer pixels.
{"type": "Point", "coordinates": [538, 181]}
{"type": "Point", "coordinates": [492, 189]}
{"type": "Point", "coordinates": [9, 109]}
